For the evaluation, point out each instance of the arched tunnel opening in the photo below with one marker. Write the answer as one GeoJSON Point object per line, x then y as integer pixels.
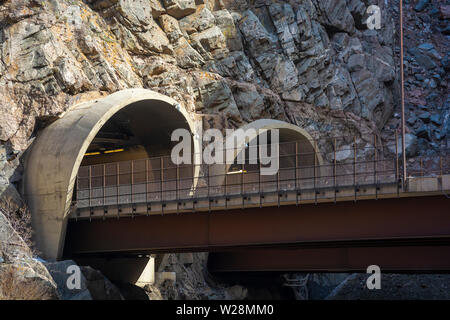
{"type": "Point", "coordinates": [299, 163]}
{"type": "Point", "coordinates": [113, 155]}
{"type": "Point", "coordinates": [140, 130]}
{"type": "Point", "coordinates": [129, 160]}
{"type": "Point", "coordinates": [297, 158]}
{"type": "Point", "coordinates": [296, 155]}
{"type": "Point", "coordinates": [105, 158]}
{"type": "Point", "coordinates": [96, 151]}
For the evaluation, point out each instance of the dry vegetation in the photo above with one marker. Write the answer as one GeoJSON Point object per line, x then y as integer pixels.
{"type": "Point", "coordinates": [13, 286]}
{"type": "Point", "coordinates": [20, 219]}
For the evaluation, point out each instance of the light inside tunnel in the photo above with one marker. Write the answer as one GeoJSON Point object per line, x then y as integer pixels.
{"type": "Point", "coordinates": [236, 172]}
{"type": "Point", "coordinates": [106, 151]}
{"type": "Point", "coordinates": [139, 131]}
{"type": "Point", "coordinates": [139, 121]}
{"type": "Point", "coordinates": [129, 159]}
{"type": "Point", "coordinates": [92, 153]}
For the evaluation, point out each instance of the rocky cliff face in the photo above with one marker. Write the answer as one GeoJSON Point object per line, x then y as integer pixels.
{"type": "Point", "coordinates": [309, 62]}
{"type": "Point", "coordinates": [427, 53]}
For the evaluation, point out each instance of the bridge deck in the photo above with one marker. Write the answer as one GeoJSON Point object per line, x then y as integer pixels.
{"type": "Point", "coordinates": [366, 210]}
{"type": "Point", "coordinates": [157, 185]}
{"type": "Point", "coordinates": [345, 223]}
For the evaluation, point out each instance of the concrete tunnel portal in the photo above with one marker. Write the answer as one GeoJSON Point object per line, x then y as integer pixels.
{"type": "Point", "coordinates": [129, 124]}
{"type": "Point", "coordinates": [140, 130]}
{"type": "Point", "coordinates": [126, 125]}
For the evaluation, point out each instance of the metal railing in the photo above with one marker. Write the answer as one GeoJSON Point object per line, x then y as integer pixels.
{"type": "Point", "coordinates": [326, 164]}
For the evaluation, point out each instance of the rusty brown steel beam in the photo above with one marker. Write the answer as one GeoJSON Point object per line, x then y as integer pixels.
{"type": "Point", "coordinates": [402, 97]}
{"type": "Point", "coordinates": [328, 223]}
{"type": "Point", "coordinates": [356, 259]}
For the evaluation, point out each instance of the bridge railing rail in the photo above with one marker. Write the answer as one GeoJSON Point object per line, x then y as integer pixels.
{"type": "Point", "coordinates": [333, 164]}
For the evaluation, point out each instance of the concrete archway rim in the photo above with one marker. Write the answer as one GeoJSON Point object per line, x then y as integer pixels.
{"type": "Point", "coordinates": [137, 95]}
{"type": "Point", "coordinates": [54, 158]}
{"type": "Point", "coordinates": [267, 124]}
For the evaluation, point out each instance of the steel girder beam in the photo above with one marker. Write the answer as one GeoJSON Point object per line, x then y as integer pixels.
{"type": "Point", "coordinates": [325, 225]}
{"type": "Point", "coordinates": [400, 258]}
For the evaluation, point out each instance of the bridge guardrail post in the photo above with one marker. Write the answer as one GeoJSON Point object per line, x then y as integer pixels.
{"type": "Point", "coordinates": [296, 168]}
{"type": "Point", "coordinates": [176, 184]}
{"type": "Point", "coordinates": [397, 177]}
{"type": "Point", "coordinates": [161, 178]}
{"type": "Point", "coordinates": [90, 185]}
{"type": "Point", "coordinates": [259, 177]}
{"type": "Point", "coordinates": [146, 182]}
{"type": "Point", "coordinates": [225, 191]}
{"type": "Point", "coordinates": [375, 160]}
{"type": "Point", "coordinates": [334, 170]}
{"type": "Point", "coordinates": [354, 165]}
{"type": "Point", "coordinates": [242, 176]}
{"type": "Point", "coordinates": [208, 186]}
{"type": "Point", "coordinates": [132, 180]}
{"type": "Point", "coordinates": [315, 165]}
{"type": "Point", "coordinates": [278, 179]}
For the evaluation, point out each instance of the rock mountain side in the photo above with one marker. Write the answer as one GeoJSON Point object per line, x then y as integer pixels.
{"type": "Point", "coordinates": [313, 63]}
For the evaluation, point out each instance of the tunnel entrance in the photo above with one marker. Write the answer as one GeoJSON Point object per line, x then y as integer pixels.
{"type": "Point", "coordinates": [298, 157]}
{"type": "Point", "coordinates": [114, 152]}
{"type": "Point", "coordinates": [129, 160]}
{"type": "Point", "coordinates": [116, 134]}
{"type": "Point", "coordinates": [139, 131]}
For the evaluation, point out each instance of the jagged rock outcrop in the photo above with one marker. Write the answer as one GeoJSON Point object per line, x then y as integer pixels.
{"type": "Point", "coordinates": [299, 61]}
{"type": "Point", "coordinates": [427, 104]}
{"type": "Point", "coordinates": [191, 281]}
{"type": "Point", "coordinates": [313, 63]}
{"type": "Point", "coordinates": [21, 276]}
{"type": "Point", "coordinates": [307, 52]}
{"type": "Point", "coordinates": [394, 287]}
